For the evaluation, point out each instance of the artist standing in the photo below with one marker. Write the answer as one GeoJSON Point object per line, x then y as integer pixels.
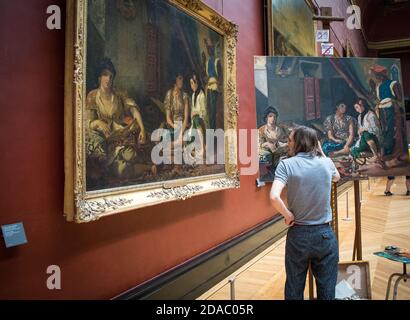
{"type": "Point", "coordinates": [308, 175]}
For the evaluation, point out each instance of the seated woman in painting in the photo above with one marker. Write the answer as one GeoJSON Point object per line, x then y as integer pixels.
{"type": "Point", "coordinates": [199, 113]}
{"type": "Point", "coordinates": [199, 110]}
{"type": "Point", "coordinates": [177, 109]}
{"type": "Point", "coordinates": [272, 139]}
{"type": "Point", "coordinates": [115, 128]}
{"type": "Point", "coordinates": [340, 132]}
{"type": "Point", "coordinates": [369, 132]}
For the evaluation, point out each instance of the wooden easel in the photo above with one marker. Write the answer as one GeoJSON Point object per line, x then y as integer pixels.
{"type": "Point", "coordinates": [357, 246]}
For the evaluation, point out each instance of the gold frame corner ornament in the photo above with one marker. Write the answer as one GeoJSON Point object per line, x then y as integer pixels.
{"type": "Point", "coordinates": [81, 206]}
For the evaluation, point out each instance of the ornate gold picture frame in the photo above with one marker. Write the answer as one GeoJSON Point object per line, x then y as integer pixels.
{"type": "Point", "coordinates": [125, 60]}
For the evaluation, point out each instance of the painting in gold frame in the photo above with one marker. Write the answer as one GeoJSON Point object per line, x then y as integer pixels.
{"type": "Point", "coordinates": [124, 61]}
{"type": "Point", "coordinates": [291, 29]}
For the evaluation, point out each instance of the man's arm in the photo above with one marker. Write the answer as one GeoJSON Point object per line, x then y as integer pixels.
{"type": "Point", "coordinates": [278, 203]}
{"type": "Point", "coordinates": [336, 175]}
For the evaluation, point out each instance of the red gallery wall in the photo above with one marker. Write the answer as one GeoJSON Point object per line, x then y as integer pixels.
{"type": "Point", "coordinates": [101, 259]}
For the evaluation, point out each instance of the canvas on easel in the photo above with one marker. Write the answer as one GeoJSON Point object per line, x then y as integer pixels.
{"type": "Point", "coordinates": [355, 105]}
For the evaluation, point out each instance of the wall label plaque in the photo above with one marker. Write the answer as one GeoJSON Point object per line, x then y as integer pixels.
{"type": "Point", "coordinates": [14, 234]}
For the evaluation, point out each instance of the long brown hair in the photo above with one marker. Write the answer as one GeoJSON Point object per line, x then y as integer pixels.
{"type": "Point", "coordinates": [306, 140]}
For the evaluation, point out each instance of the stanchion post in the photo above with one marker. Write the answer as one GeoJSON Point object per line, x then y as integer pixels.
{"type": "Point", "coordinates": [347, 218]}
{"type": "Point", "coordinates": [232, 287]}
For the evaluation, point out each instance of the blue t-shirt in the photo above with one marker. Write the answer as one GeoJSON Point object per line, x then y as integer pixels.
{"type": "Point", "coordinates": [309, 182]}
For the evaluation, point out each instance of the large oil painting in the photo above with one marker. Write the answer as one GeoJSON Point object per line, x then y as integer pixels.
{"type": "Point", "coordinates": [150, 80]}
{"type": "Point", "coordinates": [356, 105]}
{"type": "Point", "coordinates": [291, 29]}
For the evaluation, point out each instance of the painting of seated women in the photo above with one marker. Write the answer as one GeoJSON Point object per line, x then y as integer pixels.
{"type": "Point", "coordinates": [116, 135]}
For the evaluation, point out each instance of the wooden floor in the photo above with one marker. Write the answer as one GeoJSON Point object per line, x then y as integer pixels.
{"type": "Point", "coordinates": [385, 221]}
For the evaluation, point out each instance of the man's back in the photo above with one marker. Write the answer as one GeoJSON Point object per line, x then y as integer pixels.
{"type": "Point", "coordinates": [309, 181]}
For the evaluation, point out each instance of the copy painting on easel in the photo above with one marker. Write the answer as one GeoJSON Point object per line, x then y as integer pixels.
{"type": "Point", "coordinates": [355, 105]}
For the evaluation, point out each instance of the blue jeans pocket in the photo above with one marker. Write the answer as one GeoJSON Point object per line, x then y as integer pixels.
{"type": "Point", "coordinates": [329, 240]}
{"type": "Point", "coordinates": [326, 235]}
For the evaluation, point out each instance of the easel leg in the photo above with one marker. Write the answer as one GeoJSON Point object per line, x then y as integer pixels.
{"type": "Point", "coordinates": [354, 247]}
{"type": "Point", "coordinates": [335, 211]}
{"type": "Point", "coordinates": [358, 223]}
